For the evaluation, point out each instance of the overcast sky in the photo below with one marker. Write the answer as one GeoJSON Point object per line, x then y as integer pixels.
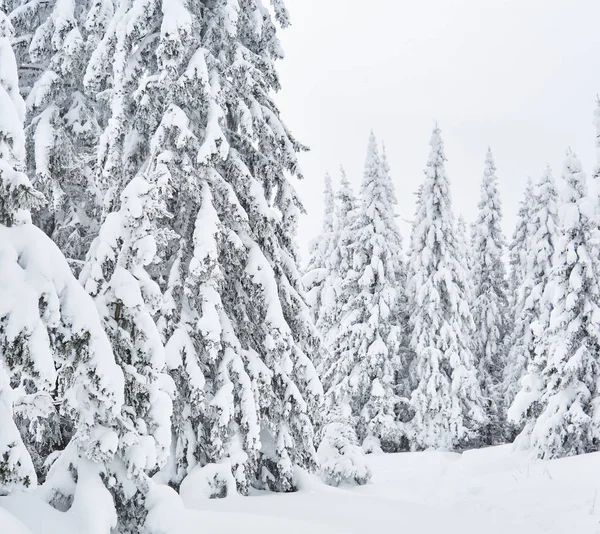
{"type": "Point", "coordinates": [518, 75]}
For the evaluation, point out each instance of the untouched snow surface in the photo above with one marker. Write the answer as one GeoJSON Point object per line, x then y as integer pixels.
{"type": "Point", "coordinates": [493, 490]}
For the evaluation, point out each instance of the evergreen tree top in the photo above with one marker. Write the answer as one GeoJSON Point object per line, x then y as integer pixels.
{"type": "Point", "coordinates": [524, 208]}
{"type": "Point", "coordinates": [488, 230]}
{"type": "Point", "coordinates": [433, 241]}
{"type": "Point", "coordinates": [377, 194]}
{"type": "Point", "coordinates": [574, 177]}
{"type": "Point", "coordinates": [544, 193]}
{"type": "Point", "coordinates": [329, 205]}
{"type": "Point", "coordinates": [436, 154]}
{"type": "Point", "coordinates": [434, 203]}
{"type": "Point", "coordinates": [490, 204]}
{"type": "Point", "coordinates": [372, 167]}
{"type": "Point", "coordinates": [346, 199]}
{"type": "Point", "coordinates": [346, 211]}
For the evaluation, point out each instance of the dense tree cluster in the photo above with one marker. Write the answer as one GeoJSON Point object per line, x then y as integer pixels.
{"type": "Point", "coordinates": [476, 342]}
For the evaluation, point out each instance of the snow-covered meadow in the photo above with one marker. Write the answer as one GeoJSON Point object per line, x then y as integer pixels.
{"type": "Point", "coordinates": [494, 490]}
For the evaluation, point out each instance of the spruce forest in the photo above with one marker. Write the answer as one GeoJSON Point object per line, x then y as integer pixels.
{"type": "Point", "coordinates": [164, 349]}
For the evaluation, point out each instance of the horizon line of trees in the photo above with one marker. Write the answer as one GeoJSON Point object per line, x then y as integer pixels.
{"type": "Point", "coordinates": [447, 346]}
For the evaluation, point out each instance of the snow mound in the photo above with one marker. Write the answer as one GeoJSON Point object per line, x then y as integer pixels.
{"type": "Point", "coordinates": [10, 524]}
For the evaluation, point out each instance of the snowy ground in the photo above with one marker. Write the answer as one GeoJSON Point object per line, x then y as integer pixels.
{"type": "Point", "coordinates": [493, 491]}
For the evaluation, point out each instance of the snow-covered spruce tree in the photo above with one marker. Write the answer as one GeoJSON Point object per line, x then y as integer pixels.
{"type": "Point", "coordinates": [54, 43]}
{"type": "Point", "coordinates": [518, 293]}
{"type": "Point", "coordinates": [190, 100]}
{"type": "Point", "coordinates": [127, 300]}
{"type": "Point", "coordinates": [366, 351]}
{"type": "Point", "coordinates": [533, 305]}
{"type": "Point", "coordinates": [316, 271]}
{"type": "Point", "coordinates": [465, 248]}
{"type": "Point", "coordinates": [490, 305]}
{"type": "Point", "coordinates": [341, 459]}
{"type": "Point", "coordinates": [339, 263]}
{"type": "Point", "coordinates": [558, 397]}
{"type": "Point", "coordinates": [55, 360]}
{"type": "Point", "coordinates": [517, 251]}
{"type": "Point", "coordinates": [447, 399]}
{"type": "Point", "coordinates": [397, 243]}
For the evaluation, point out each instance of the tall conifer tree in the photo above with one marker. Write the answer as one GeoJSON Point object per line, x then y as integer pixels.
{"type": "Point", "coordinates": [366, 351]}
{"type": "Point", "coordinates": [518, 294]}
{"type": "Point", "coordinates": [447, 398]}
{"type": "Point", "coordinates": [533, 305]}
{"type": "Point", "coordinates": [192, 113]}
{"type": "Point", "coordinates": [490, 304]}
{"type": "Point", "coordinates": [338, 265]}
{"type": "Point", "coordinates": [317, 269]}
{"type": "Point", "coordinates": [558, 397]}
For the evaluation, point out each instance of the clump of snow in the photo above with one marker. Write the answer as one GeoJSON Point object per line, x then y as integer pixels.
{"type": "Point", "coordinates": [213, 481]}
{"type": "Point", "coordinates": [166, 513]}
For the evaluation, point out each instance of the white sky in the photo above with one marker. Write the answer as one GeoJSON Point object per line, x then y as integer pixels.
{"type": "Point", "coordinates": [518, 75]}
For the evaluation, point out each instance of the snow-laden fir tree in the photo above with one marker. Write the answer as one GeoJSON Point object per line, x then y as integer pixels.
{"type": "Point", "coordinates": [397, 242]}
{"type": "Point", "coordinates": [517, 251]}
{"type": "Point", "coordinates": [54, 41]}
{"type": "Point", "coordinates": [465, 248]}
{"type": "Point", "coordinates": [446, 399]}
{"type": "Point", "coordinates": [16, 467]}
{"type": "Point", "coordinates": [339, 262]}
{"type": "Point", "coordinates": [490, 305]}
{"type": "Point", "coordinates": [367, 349]}
{"type": "Point", "coordinates": [317, 269]}
{"type": "Point", "coordinates": [128, 299]}
{"type": "Point", "coordinates": [533, 307]}
{"type": "Point", "coordinates": [558, 398]}
{"type": "Point", "coordinates": [56, 362]}
{"type": "Point", "coordinates": [191, 108]}
{"type": "Point", "coordinates": [341, 459]}
{"type": "Point", "coordinates": [517, 295]}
